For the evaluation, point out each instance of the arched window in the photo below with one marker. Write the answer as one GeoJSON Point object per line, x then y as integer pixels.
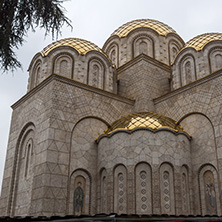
{"type": "Point", "coordinates": [96, 74]}
{"type": "Point", "coordinates": [188, 70]}
{"type": "Point", "coordinates": [218, 59]}
{"type": "Point", "coordinates": [63, 65]}
{"type": "Point", "coordinates": [143, 44]}
{"type": "Point", "coordinates": [28, 158]}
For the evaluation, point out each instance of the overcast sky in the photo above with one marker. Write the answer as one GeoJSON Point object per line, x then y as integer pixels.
{"type": "Point", "coordinates": [95, 20]}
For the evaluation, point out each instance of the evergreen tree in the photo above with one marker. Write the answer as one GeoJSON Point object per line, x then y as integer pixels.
{"type": "Point", "coordinates": [17, 17]}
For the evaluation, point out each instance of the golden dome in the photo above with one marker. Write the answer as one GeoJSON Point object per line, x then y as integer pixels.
{"type": "Point", "coordinates": [200, 41]}
{"type": "Point", "coordinates": [81, 45]}
{"type": "Point", "coordinates": [159, 27]}
{"type": "Point", "coordinates": [146, 120]}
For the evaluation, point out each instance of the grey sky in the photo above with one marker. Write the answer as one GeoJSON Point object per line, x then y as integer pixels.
{"type": "Point", "coordinates": [95, 20]}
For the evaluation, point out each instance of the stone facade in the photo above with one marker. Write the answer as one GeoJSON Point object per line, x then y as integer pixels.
{"type": "Point", "coordinates": [87, 139]}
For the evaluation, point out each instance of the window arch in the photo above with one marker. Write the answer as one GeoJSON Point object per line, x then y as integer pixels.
{"type": "Point", "coordinates": [63, 65]}
{"type": "Point", "coordinates": [28, 158]}
{"type": "Point", "coordinates": [215, 59]}
{"type": "Point", "coordinates": [173, 49]}
{"type": "Point", "coordinates": [36, 74]}
{"type": "Point", "coordinates": [96, 73]}
{"type": "Point", "coordinates": [113, 53]}
{"type": "Point", "coordinates": [187, 70]}
{"type": "Point", "coordinates": [143, 45]}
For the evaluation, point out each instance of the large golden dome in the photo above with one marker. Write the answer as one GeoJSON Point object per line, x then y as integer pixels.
{"type": "Point", "coordinates": [200, 41]}
{"type": "Point", "coordinates": [157, 26]}
{"type": "Point", "coordinates": [145, 120]}
{"type": "Point", "coordinates": [81, 45]}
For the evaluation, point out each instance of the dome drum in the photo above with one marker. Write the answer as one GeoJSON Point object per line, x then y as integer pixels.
{"type": "Point", "coordinates": [146, 36]}
{"type": "Point", "coordinates": [75, 59]}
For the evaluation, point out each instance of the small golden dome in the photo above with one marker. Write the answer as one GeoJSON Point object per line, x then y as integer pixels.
{"type": "Point", "coordinates": [146, 120]}
{"type": "Point", "coordinates": [159, 27]}
{"type": "Point", "coordinates": [200, 41]}
{"type": "Point", "coordinates": [81, 45]}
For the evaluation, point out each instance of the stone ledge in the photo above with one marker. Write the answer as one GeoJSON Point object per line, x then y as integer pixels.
{"type": "Point", "coordinates": [189, 86]}
{"type": "Point", "coordinates": [55, 77]}
{"type": "Point", "coordinates": [147, 59]}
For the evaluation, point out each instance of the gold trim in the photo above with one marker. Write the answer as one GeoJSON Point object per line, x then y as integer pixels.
{"type": "Point", "coordinates": [149, 120]}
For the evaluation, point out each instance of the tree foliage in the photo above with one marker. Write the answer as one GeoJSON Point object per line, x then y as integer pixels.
{"type": "Point", "coordinates": [17, 17]}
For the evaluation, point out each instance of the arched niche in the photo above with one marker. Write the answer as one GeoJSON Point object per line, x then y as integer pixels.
{"type": "Point", "coordinates": [96, 73]}
{"type": "Point", "coordinates": [185, 190]}
{"type": "Point", "coordinates": [80, 193]}
{"type": "Point", "coordinates": [215, 59]}
{"type": "Point", "coordinates": [103, 191]}
{"type": "Point", "coordinates": [23, 172]}
{"type": "Point", "coordinates": [187, 70]}
{"type": "Point", "coordinates": [173, 49]}
{"type": "Point", "coordinates": [203, 148]}
{"type": "Point", "coordinates": [36, 74]}
{"type": "Point", "coordinates": [120, 189]}
{"type": "Point", "coordinates": [167, 189]}
{"type": "Point", "coordinates": [63, 65]}
{"type": "Point", "coordinates": [83, 145]}
{"type": "Point", "coordinates": [83, 150]}
{"type": "Point", "coordinates": [209, 191]}
{"type": "Point", "coordinates": [143, 45]}
{"type": "Point", "coordinates": [143, 188]}
{"type": "Point", "coordinates": [203, 139]}
{"type": "Point", "coordinates": [113, 53]}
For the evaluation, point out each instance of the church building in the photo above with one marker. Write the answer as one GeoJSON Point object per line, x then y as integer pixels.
{"type": "Point", "coordinates": [134, 128]}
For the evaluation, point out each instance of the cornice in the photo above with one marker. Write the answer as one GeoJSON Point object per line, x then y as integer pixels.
{"type": "Point", "coordinates": [146, 129]}
{"type": "Point", "coordinates": [189, 86]}
{"type": "Point", "coordinates": [145, 58]}
{"type": "Point", "coordinates": [55, 77]}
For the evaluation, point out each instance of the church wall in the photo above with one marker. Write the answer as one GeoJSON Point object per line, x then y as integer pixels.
{"type": "Point", "coordinates": [31, 112]}
{"type": "Point", "coordinates": [83, 155]}
{"type": "Point", "coordinates": [70, 105]}
{"type": "Point", "coordinates": [54, 110]}
{"type": "Point", "coordinates": [143, 155]}
{"type": "Point", "coordinates": [199, 108]}
{"type": "Point", "coordinates": [154, 82]}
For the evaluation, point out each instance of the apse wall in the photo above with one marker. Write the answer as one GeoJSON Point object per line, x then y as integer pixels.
{"type": "Point", "coordinates": [145, 172]}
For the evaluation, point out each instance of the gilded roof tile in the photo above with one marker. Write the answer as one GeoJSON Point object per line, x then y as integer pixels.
{"type": "Point", "coordinates": [200, 41]}
{"type": "Point", "coordinates": [81, 45]}
{"type": "Point", "coordinates": [159, 27]}
{"type": "Point", "coordinates": [146, 120]}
